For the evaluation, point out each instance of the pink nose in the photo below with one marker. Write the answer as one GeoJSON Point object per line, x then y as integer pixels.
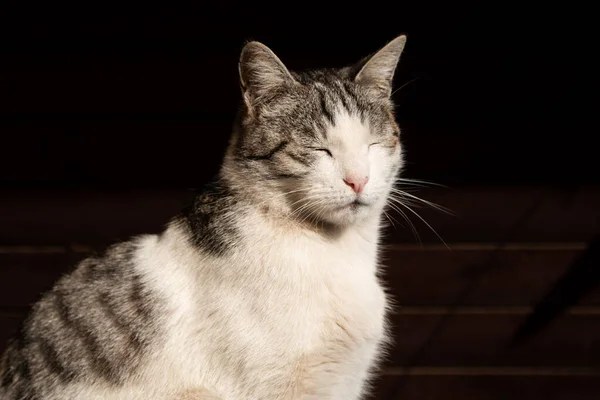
{"type": "Point", "coordinates": [357, 184]}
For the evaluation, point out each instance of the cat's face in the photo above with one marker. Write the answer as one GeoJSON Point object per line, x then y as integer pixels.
{"type": "Point", "coordinates": [324, 145]}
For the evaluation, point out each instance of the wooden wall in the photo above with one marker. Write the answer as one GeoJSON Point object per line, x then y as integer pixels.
{"type": "Point", "coordinates": [109, 119]}
{"type": "Point", "coordinates": [458, 308]}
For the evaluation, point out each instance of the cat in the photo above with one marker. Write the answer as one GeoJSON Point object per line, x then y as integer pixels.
{"type": "Point", "coordinates": [267, 286]}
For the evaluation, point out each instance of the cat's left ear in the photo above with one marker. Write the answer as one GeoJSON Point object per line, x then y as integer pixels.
{"type": "Point", "coordinates": [262, 74]}
{"type": "Point", "coordinates": [377, 72]}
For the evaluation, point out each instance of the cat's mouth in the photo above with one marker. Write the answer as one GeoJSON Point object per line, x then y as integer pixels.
{"type": "Point", "coordinates": [357, 203]}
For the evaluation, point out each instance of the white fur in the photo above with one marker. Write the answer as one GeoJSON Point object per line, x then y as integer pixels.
{"type": "Point", "coordinates": [350, 142]}
{"type": "Point", "coordinates": [289, 313]}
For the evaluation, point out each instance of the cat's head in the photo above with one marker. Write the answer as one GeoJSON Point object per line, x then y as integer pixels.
{"type": "Point", "coordinates": [321, 145]}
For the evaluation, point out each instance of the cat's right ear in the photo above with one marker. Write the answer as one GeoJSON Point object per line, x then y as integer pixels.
{"type": "Point", "coordinates": [377, 72]}
{"type": "Point", "coordinates": [262, 74]}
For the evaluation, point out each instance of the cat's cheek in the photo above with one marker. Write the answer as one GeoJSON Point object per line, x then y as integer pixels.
{"type": "Point", "coordinates": [329, 174]}
{"type": "Point", "coordinates": [380, 161]}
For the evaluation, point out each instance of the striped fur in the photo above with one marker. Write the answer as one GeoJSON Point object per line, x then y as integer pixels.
{"type": "Point", "coordinates": [266, 287]}
{"type": "Point", "coordinates": [96, 325]}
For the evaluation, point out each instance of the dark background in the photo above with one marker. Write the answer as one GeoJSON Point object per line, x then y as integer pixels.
{"type": "Point", "coordinates": [110, 116]}
{"type": "Point", "coordinates": [501, 94]}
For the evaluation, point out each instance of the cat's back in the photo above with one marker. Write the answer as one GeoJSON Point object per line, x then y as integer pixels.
{"type": "Point", "coordinates": [280, 311]}
{"type": "Point", "coordinates": [96, 327]}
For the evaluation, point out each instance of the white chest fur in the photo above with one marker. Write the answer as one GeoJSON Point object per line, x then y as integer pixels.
{"type": "Point", "coordinates": [286, 316]}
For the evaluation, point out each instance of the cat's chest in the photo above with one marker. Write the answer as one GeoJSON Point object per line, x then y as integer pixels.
{"type": "Point", "coordinates": [318, 296]}
{"type": "Point", "coordinates": [325, 320]}
{"type": "Point", "coordinates": [282, 316]}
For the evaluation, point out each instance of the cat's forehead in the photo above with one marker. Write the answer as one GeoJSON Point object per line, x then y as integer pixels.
{"type": "Point", "coordinates": [326, 104]}
{"type": "Point", "coordinates": [348, 129]}
{"type": "Point", "coordinates": [326, 76]}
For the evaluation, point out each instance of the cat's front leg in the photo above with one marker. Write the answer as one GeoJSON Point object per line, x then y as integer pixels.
{"type": "Point", "coordinates": [196, 394]}
{"type": "Point", "coordinates": [356, 385]}
{"type": "Point", "coordinates": [352, 389]}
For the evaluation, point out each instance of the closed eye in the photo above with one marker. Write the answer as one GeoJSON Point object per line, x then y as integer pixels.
{"type": "Point", "coordinates": [373, 144]}
{"type": "Point", "coordinates": [325, 151]}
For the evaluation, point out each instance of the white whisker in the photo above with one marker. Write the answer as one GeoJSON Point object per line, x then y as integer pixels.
{"type": "Point", "coordinates": [407, 83]}
{"type": "Point", "coordinates": [420, 182]}
{"type": "Point", "coordinates": [390, 218]}
{"type": "Point", "coordinates": [426, 202]}
{"type": "Point", "coordinates": [279, 195]}
{"type": "Point", "coordinates": [424, 221]}
{"type": "Point", "coordinates": [403, 214]}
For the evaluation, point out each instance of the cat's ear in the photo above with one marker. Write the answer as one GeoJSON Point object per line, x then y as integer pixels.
{"type": "Point", "coordinates": [262, 73]}
{"type": "Point", "coordinates": [377, 71]}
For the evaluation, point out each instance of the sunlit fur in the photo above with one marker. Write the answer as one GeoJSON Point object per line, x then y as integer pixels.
{"type": "Point", "coordinates": [267, 287]}
{"type": "Point", "coordinates": [312, 112]}
{"type": "Point", "coordinates": [319, 194]}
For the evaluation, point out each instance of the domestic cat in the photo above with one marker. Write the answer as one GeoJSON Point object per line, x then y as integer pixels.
{"type": "Point", "coordinates": [267, 286]}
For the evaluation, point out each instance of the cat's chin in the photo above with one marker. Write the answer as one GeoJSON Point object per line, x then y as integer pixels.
{"type": "Point", "coordinates": [347, 215]}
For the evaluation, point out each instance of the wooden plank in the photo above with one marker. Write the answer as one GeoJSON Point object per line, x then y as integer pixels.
{"type": "Point", "coordinates": [470, 387]}
{"type": "Point", "coordinates": [483, 246]}
{"type": "Point", "coordinates": [24, 277]}
{"type": "Point", "coordinates": [491, 371]}
{"type": "Point", "coordinates": [470, 340]}
{"type": "Point", "coordinates": [494, 215]}
{"type": "Point", "coordinates": [512, 279]}
{"type": "Point", "coordinates": [85, 216]}
{"type": "Point", "coordinates": [504, 214]}
{"type": "Point", "coordinates": [470, 276]}
{"type": "Point", "coordinates": [462, 383]}
{"type": "Point", "coordinates": [485, 340]}
{"type": "Point", "coordinates": [487, 310]}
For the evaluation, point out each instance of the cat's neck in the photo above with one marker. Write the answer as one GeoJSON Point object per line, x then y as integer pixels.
{"type": "Point", "coordinates": [227, 224]}
{"type": "Point", "coordinates": [271, 211]}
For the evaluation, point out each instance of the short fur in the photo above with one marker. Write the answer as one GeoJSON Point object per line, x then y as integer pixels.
{"type": "Point", "coordinates": [266, 287]}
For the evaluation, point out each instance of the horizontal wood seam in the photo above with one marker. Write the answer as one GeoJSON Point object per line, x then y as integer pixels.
{"type": "Point", "coordinates": [474, 246]}
{"type": "Point", "coordinates": [458, 246]}
{"type": "Point", "coordinates": [486, 310]}
{"type": "Point", "coordinates": [490, 371]}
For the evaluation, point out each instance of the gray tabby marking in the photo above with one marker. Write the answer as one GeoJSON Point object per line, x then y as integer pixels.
{"type": "Point", "coordinates": [101, 322]}
{"type": "Point", "coordinates": [269, 155]}
{"type": "Point", "coordinates": [94, 324]}
{"type": "Point", "coordinates": [274, 142]}
{"type": "Point", "coordinates": [209, 220]}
